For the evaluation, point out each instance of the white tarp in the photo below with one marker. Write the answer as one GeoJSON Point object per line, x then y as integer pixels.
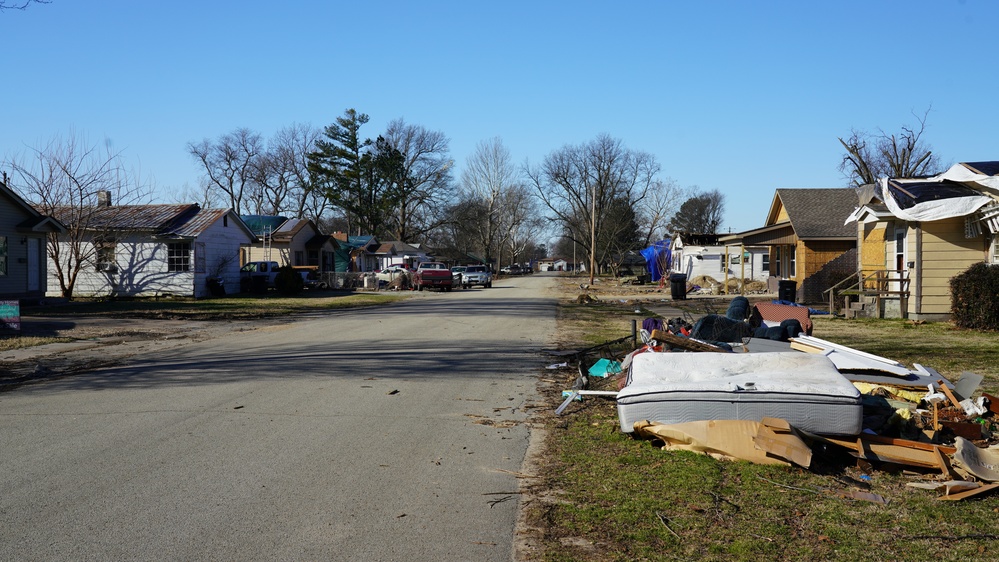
{"type": "Point", "coordinates": [930, 209]}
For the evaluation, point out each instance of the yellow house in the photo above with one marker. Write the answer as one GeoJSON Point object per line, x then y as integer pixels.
{"type": "Point", "coordinates": [810, 246]}
{"type": "Point", "coordinates": [927, 230]}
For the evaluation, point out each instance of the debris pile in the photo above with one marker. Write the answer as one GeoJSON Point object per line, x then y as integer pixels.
{"type": "Point", "coordinates": [752, 402]}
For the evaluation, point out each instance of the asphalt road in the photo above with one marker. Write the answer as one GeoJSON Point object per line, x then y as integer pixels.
{"type": "Point", "coordinates": [389, 433]}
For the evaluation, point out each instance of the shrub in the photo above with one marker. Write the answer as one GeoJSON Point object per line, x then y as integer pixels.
{"type": "Point", "coordinates": [975, 297]}
{"type": "Point", "coordinates": [289, 281]}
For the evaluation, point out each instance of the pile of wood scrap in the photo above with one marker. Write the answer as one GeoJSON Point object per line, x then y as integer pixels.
{"type": "Point", "coordinates": [914, 419]}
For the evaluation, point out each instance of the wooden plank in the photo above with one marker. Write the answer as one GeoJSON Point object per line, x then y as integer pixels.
{"type": "Point", "coordinates": [950, 395]}
{"type": "Point", "coordinates": [898, 451]}
{"type": "Point", "coordinates": [969, 493]}
{"type": "Point", "coordinates": [684, 343]}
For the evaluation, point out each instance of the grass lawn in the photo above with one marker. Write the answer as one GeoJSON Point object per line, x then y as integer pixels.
{"type": "Point", "coordinates": [603, 495]}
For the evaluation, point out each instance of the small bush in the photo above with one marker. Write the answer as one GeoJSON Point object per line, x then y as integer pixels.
{"type": "Point", "coordinates": [289, 281]}
{"type": "Point", "coordinates": [975, 297]}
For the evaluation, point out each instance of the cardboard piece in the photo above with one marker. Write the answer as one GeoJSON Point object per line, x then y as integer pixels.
{"type": "Point", "coordinates": [983, 463]}
{"type": "Point", "coordinates": [726, 439]}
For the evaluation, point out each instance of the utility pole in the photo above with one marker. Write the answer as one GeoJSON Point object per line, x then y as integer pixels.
{"type": "Point", "coordinates": [593, 231]}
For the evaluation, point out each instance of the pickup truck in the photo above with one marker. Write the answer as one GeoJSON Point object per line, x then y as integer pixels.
{"type": "Point", "coordinates": [258, 275]}
{"type": "Point", "coordinates": [433, 274]}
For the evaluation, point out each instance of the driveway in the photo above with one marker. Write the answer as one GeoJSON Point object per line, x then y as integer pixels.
{"type": "Point", "coordinates": [394, 433]}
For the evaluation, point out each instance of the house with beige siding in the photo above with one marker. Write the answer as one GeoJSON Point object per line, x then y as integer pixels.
{"type": "Point", "coordinates": [810, 248]}
{"type": "Point", "coordinates": [926, 231]}
{"type": "Point", "coordinates": [294, 242]}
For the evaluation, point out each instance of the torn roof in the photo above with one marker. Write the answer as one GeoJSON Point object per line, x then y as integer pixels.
{"type": "Point", "coordinates": [960, 191]}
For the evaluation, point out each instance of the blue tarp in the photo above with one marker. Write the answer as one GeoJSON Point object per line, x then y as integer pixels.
{"type": "Point", "coordinates": [658, 259]}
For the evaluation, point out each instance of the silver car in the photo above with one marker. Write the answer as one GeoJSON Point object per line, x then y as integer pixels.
{"type": "Point", "coordinates": [477, 275]}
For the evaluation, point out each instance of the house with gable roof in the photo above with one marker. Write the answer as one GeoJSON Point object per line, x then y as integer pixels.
{"type": "Point", "coordinates": [925, 231]}
{"type": "Point", "coordinates": [810, 246]}
{"type": "Point", "coordinates": [23, 256]}
{"type": "Point", "coordinates": [294, 242]}
{"type": "Point", "coordinates": [154, 250]}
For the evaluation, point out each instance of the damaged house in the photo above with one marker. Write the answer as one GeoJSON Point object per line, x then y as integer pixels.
{"type": "Point", "coordinates": [915, 234]}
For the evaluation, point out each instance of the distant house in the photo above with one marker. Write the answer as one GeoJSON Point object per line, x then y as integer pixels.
{"type": "Point", "coordinates": [295, 242]}
{"type": "Point", "coordinates": [926, 231]}
{"type": "Point", "coordinates": [362, 251]}
{"type": "Point", "coordinates": [399, 252]}
{"type": "Point", "coordinates": [153, 250]}
{"type": "Point", "coordinates": [23, 234]}
{"type": "Point", "coordinates": [704, 254]}
{"type": "Point", "coordinates": [810, 247]}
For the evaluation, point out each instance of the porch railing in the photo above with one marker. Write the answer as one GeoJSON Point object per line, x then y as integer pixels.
{"type": "Point", "coordinates": [883, 283]}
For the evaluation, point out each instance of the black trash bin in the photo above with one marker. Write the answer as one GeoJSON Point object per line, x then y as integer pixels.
{"type": "Point", "coordinates": [678, 286]}
{"type": "Point", "coordinates": [216, 286]}
{"type": "Point", "coordinates": [787, 290]}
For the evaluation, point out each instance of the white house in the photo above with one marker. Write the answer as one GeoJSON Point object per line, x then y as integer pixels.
{"type": "Point", "coordinates": [702, 254]}
{"type": "Point", "coordinates": [154, 250]}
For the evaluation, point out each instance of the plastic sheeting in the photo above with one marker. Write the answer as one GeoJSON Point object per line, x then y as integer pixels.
{"type": "Point", "coordinates": [658, 259]}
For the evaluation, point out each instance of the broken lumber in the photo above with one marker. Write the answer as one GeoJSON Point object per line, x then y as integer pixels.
{"type": "Point", "coordinates": [685, 343]}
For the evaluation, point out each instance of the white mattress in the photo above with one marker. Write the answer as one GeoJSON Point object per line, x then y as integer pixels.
{"type": "Point", "coordinates": [803, 388]}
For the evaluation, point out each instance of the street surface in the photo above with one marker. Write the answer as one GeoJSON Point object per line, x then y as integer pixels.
{"type": "Point", "coordinates": [391, 433]}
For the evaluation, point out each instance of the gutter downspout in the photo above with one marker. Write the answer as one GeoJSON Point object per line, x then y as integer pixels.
{"type": "Point", "coordinates": [918, 262]}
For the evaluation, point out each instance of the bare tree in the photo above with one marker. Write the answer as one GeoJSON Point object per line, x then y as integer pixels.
{"type": "Point", "coordinates": [230, 164]}
{"type": "Point", "coordinates": [83, 186]}
{"type": "Point", "coordinates": [520, 220]}
{"type": "Point", "coordinates": [20, 5]}
{"type": "Point", "coordinates": [489, 173]}
{"type": "Point", "coordinates": [282, 173]}
{"type": "Point", "coordinates": [663, 201]}
{"type": "Point", "coordinates": [579, 184]}
{"type": "Point", "coordinates": [423, 186]}
{"type": "Point", "coordinates": [903, 155]}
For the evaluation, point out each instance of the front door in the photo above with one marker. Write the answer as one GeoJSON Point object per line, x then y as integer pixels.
{"type": "Point", "coordinates": [33, 272]}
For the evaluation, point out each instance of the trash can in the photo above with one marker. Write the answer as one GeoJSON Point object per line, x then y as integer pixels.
{"type": "Point", "coordinates": [678, 286]}
{"type": "Point", "coordinates": [216, 286]}
{"type": "Point", "coordinates": [787, 290]}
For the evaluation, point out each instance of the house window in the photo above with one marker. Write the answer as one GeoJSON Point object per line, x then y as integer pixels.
{"type": "Point", "coordinates": [225, 220]}
{"type": "Point", "coordinates": [3, 256]}
{"type": "Point", "coordinates": [994, 250]}
{"type": "Point", "coordinates": [104, 256]}
{"type": "Point", "coordinates": [313, 257]}
{"type": "Point", "coordinates": [179, 256]}
{"type": "Point", "coordinates": [766, 262]}
{"type": "Point", "coordinates": [299, 257]}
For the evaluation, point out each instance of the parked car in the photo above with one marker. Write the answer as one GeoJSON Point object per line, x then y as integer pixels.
{"type": "Point", "coordinates": [477, 275]}
{"type": "Point", "coordinates": [391, 273]}
{"type": "Point", "coordinates": [512, 270]}
{"type": "Point", "coordinates": [433, 274]}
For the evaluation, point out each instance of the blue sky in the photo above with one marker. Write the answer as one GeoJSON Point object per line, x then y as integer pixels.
{"type": "Point", "coordinates": [743, 97]}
